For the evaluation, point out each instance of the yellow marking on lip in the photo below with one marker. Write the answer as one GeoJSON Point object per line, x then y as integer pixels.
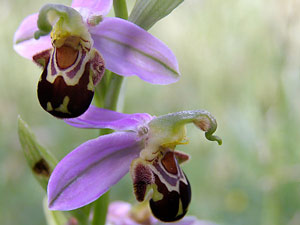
{"type": "Point", "coordinates": [180, 208]}
{"type": "Point", "coordinates": [64, 106]}
{"type": "Point", "coordinates": [49, 107]}
{"type": "Point", "coordinates": [157, 196]}
{"type": "Point", "coordinates": [90, 85]}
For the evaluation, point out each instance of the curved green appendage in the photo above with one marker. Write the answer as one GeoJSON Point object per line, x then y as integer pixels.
{"type": "Point", "coordinates": [174, 123]}
{"type": "Point", "coordinates": [65, 17]}
{"type": "Point", "coordinates": [209, 135]}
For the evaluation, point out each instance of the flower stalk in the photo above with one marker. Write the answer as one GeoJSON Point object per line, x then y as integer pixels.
{"type": "Point", "coordinates": [111, 94]}
{"type": "Point", "coordinates": [100, 209]}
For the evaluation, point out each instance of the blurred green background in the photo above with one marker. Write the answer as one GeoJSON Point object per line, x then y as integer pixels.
{"type": "Point", "coordinates": [240, 60]}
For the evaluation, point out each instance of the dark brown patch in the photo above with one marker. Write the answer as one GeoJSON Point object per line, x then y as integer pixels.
{"type": "Point", "coordinates": [165, 209]}
{"type": "Point", "coordinates": [142, 178]}
{"type": "Point", "coordinates": [80, 97]}
{"type": "Point", "coordinates": [169, 163]}
{"type": "Point", "coordinates": [42, 168]}
{"type": "Point", "coordinates": [185, 194]}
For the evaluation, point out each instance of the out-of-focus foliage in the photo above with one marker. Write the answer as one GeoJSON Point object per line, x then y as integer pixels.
{"type": "Point", "coordinates": [240, 60]}
{"type": "Point", "coordinates": [146, 13]}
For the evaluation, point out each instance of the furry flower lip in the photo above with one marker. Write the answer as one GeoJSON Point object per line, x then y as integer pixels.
{"type": "Point", "coordinates": [74, 45]}
{"type": "Point", "coordinates": [143, 144]}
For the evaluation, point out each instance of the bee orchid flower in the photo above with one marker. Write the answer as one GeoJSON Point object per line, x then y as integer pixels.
{"type": "Point", "coordinates": [144, 145]}
{"type": "Point", "coordinates": [74, 45]}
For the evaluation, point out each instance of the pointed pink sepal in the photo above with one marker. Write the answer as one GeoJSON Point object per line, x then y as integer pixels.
{"type": "Point", "coordinates": [99, 118]}
{"type": "Point", "coordinates": [91, 169]}
{"type": "Point", "coordinates": [24, 42]}
{"type": "Point", "coordinates": [129, 50]}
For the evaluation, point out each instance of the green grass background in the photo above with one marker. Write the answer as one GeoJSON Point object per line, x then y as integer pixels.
{"type": "Point", "coordinates": [240, 60]}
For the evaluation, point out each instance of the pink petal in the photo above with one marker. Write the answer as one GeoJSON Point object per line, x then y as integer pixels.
{"type": "Point", "coordinates": [91, 169]}
{"type": "Point", "coordinates": [24, 42]}
{"type": "Point", "coordinates": [96, 117]}
{"type": "Point", "coordinates": [129, 50]}
{"type": "Point", "coordinates": [95, 7]}
{"type": "Point", "coordinates": [119, 209]}
{"type": "Point", "coordinates": [119, 213]}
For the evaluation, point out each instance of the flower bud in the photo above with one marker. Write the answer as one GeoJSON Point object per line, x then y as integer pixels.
{"type": "Point", "coordinates": [40, 161]}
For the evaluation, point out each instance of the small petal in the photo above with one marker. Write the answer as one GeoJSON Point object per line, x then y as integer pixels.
{"type": "Point", "coordinates": [96, 117]}
{"type": "Point", "coordinates": [129, 50]}
{"type": "Point", "coordinates": [89, 8]}
{"type": "Point", "coordinates": [24, 42]}
{"type": "Point", "coordinates": [91, 169]}
{"type": "Point", "coordinates": [181, 156]}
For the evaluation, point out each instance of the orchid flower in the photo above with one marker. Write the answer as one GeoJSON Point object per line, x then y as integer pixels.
{"type": "Point", "coordinates": [81, 45]}
{"type": "Point", "coordinates": [144, 144]}
{"type": "Point", "coordinates": [122, 213]}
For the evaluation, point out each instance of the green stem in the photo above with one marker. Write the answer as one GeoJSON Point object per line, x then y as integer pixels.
{"type": "Point", "coordinates": [113, 92]}
{"type": "Point", "coordinates": [101, 89]}
{"type": "Point", "coordinates": [101, 209]}
{"type": "Point", "coordinates": [81, 217]}
{"type": "Point", "coordinates": [111, 96]}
